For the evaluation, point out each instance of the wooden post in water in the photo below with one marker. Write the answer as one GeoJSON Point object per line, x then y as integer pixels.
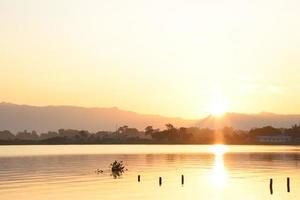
{"type": "Point", "coordinates": [271, 186]}
{"type": "Point", "coordinates": [160, 181]}
{"type": "Point", "coordinates": [182, 180]}
{"type": "Point", "coordinates": [288, 184]}
{"type": "Point", "coordinates": [139, 178]}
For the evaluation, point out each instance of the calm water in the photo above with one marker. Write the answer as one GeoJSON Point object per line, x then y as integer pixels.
{"type": "Point", "coordinates": [211, 172]}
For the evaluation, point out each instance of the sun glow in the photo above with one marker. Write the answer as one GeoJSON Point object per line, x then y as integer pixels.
{"type": "Point", "coordinates": [218, 110]}
{"type": "Point", "coordinates": [218, 104]}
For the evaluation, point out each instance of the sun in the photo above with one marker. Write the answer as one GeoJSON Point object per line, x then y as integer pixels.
{"type": "Point", "coordinates": [218, 109]}
{"type": "Point", "coordinates": [218, 105]}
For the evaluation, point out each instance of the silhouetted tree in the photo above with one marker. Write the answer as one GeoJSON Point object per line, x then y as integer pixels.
{"type": "Point", "coordinates": [149, 130]}
{"type": "Point", "coordinates": [170, 127]}
{"type": "Point", "coordinates": [267, 130]}
{"type": "Point", "coordinates": [122, 129]}
{"type": "Point", "coordinates": [6, 135]}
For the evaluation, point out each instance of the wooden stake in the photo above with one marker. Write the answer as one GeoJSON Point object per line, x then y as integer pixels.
{"type": "Point", "coordinates": [271, 186]}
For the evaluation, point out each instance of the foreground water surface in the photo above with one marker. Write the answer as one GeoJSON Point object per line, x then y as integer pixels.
{"type": "Point", "coordinates": [210, 172]}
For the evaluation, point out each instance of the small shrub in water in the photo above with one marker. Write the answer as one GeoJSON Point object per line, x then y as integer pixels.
{"type": "Point", "coordinates": [117, 166]}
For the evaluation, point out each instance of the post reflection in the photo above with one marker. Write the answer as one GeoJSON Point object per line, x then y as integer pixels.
{"type": "Point", "coordinates": [219, 174]}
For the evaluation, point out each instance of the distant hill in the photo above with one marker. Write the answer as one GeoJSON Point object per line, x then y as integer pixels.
{"type": "Point", "coordinates": [248, 121]}
{"type": "Point", "coordinates": [15, 118]}
{"type": "Point", "coordinates": [42, 119]}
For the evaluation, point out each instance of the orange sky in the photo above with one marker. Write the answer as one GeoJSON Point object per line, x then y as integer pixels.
{"type": "Point", "coordinates": [174, 58]}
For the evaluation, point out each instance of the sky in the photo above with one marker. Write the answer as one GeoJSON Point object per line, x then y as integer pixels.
{"type": "Point", "coordinates": [185, 58]}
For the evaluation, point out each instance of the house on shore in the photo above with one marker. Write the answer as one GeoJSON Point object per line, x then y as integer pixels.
{"type": "Point", "coordinates": [274, 139]}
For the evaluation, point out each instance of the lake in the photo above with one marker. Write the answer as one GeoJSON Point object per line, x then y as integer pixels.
{"type": "Point", "coordinates": [210, 172]}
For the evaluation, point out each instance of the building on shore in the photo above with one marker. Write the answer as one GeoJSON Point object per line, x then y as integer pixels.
{"type": "Point", "coordinates": [274, 139]}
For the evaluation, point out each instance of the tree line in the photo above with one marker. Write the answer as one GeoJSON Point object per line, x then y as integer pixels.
{"type": "Point", "coordinates": [169, 135]}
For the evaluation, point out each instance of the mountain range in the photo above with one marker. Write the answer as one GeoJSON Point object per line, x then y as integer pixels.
{"type": "Point", "coordinates": [16, 118]}
{"type": "Point", "coordinates": [249, 121]}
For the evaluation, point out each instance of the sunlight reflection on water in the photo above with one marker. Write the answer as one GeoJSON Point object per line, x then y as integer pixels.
{"type": "Point", "coordinates": [219, 173]}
